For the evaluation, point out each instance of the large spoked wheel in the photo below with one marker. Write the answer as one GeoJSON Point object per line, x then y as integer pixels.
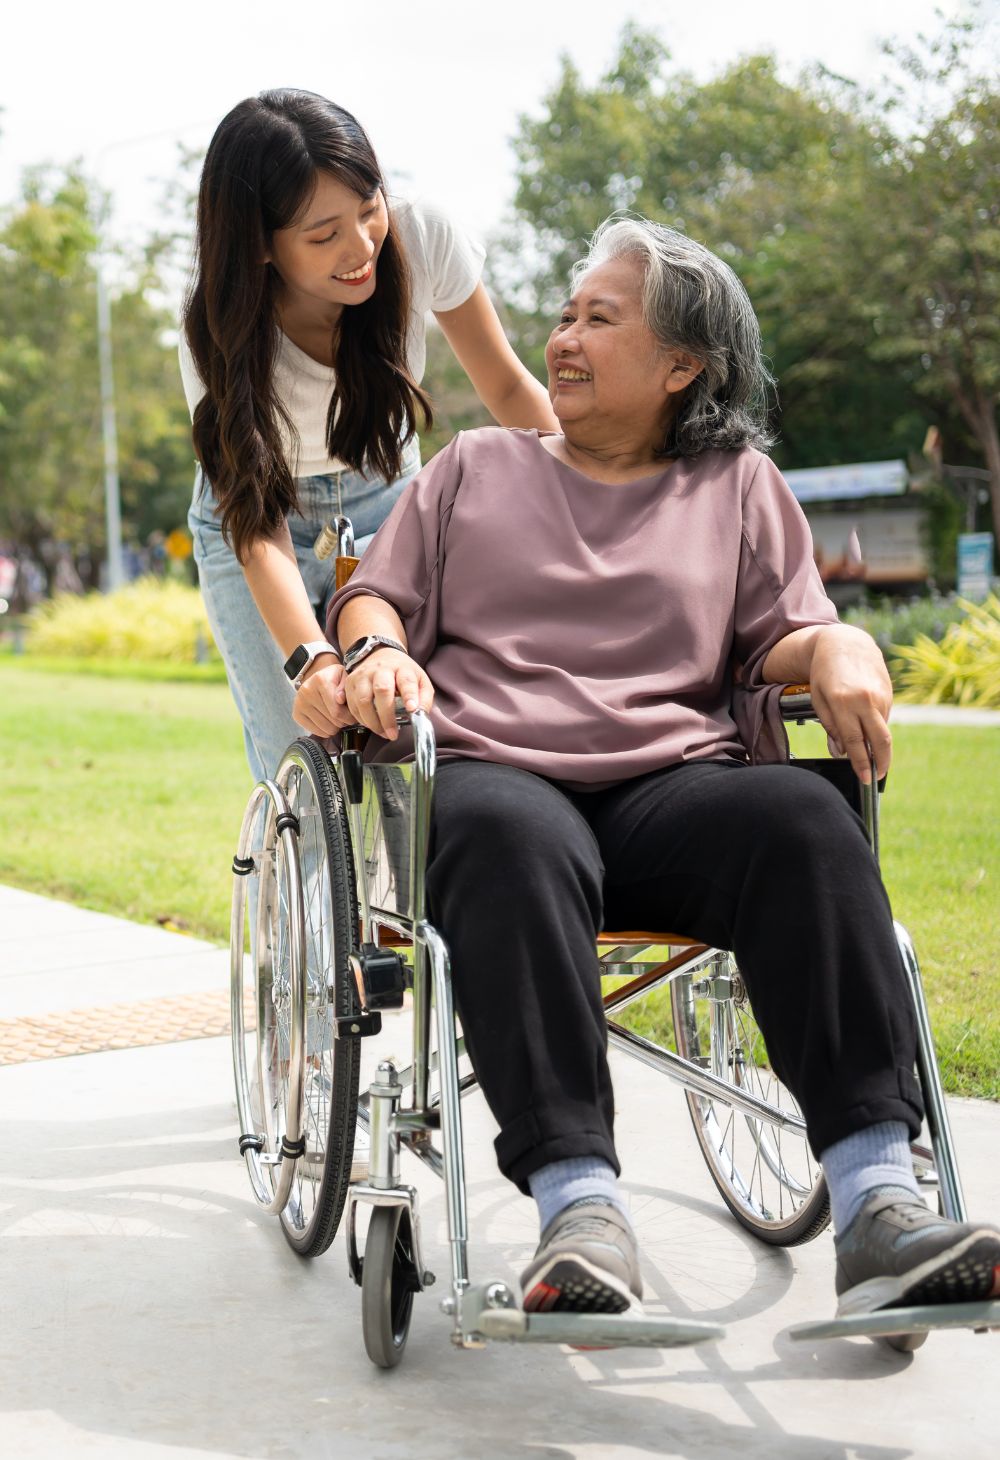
{"type": "Point", "coordinates": [388, 1283]}
{"type": "Point", "coordinates": [267, 953]}
{"type": "Point", "coordinates": [330, 1067]}
{"type": "Point", "coordinates": [766, 1175]}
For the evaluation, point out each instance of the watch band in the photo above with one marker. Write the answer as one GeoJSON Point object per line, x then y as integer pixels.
{"type": "Point", "coordinates": [361, 648]}
{"type": "Point", "coordinates": [301, 658]}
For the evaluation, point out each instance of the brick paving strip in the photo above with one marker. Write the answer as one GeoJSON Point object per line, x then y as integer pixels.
{"type": "Point", "coordinates": [115, 1026]}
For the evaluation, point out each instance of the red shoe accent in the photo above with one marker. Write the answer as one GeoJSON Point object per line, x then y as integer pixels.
{"type": "Point", "coordinates": [541, 1298]}
{"type": "Point", "coordinates": [995, 1290]}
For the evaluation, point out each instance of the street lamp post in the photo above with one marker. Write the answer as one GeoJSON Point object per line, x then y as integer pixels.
{"type": "Point", "coordinates": [109, 423]}
{"type": "Point", "coordinates": [109, 429]}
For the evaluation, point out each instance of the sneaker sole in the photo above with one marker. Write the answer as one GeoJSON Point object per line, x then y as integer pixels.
{"type": "Point", "coordinates": [965, 1273]}
{"type": "Point", "coordinates": [571, 1284]}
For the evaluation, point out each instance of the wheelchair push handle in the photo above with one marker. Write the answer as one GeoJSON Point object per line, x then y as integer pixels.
{"type": "Point", "coordinates": [403, 718]}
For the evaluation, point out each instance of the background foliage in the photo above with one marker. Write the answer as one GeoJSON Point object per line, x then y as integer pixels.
{"type": "Point", "coordinates": [150, 621]}
{"type": "Point", "coordinates": [51, 463]}
{"type": "Point", "coordinates": [865, 226]}
{"type": "Point", "coordinates": [963, 669]}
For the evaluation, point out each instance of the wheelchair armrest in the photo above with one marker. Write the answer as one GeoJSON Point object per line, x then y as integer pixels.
{"type": "Point", "coordinates": [796, 703]}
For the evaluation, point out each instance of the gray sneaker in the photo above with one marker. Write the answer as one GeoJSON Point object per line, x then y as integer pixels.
{"type": "Point", "coordinates": [897, 1253]}
{"type": "Point", "coordinates": [587, 1262]}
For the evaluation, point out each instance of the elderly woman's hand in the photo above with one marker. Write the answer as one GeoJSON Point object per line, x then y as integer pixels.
{"type": "Point", "coordinates": [319, 704]}
{"type": "Point", "coordinates": [372, 688]}
{"type": "Point", "coordinates": [852, 695]}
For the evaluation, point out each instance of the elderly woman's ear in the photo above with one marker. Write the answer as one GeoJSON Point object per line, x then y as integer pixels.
{"type": "Point", "coordinates": [683, 370]}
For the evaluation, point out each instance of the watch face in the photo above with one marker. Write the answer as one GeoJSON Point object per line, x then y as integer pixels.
{"type": "Point", "coordinates": [361, 648]}
{"type": "Point", "coordinates": [296, 660]}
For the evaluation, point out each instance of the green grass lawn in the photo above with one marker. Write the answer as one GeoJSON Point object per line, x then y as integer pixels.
{"type": "Point", "coordinates": [940, 853]}
{"type": "Point", "coordinates": [126, 796]}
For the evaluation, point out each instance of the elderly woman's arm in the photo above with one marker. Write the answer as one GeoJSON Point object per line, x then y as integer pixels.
{"type": "Point", "coordinates": [370, 691]}
{"type": "Point", "coordinates": [851, 689]}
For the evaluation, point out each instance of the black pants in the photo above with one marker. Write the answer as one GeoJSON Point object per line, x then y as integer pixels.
{"type": "Point", "coordinates": [769, 861]}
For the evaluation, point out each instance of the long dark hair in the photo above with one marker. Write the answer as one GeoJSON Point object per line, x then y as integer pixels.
{"type": "Point", "coordinates": [259, 174]}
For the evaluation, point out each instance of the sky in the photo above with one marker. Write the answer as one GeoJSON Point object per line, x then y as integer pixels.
{"type": "Point", "coordinates": [439, 85]}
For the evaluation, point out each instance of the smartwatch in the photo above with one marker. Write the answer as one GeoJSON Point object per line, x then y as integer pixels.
{"type": "Point", "coordinates": [301, 658]}
{"type": "Point", "coordinates": [361, 648]}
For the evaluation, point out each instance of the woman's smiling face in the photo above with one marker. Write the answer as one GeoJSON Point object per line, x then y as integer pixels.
{"type": "Point", "coordinates": [607, 370]}
{"type": "Point", "coordinates": [331, 253]}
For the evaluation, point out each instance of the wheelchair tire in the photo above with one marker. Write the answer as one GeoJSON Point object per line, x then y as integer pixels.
{"type": "Point", "coordinates": [267, 1017]}
{"type": "Point", "coordinates": [331, 1066]}
{"type": "Point", "coordinates": [767, 1177]}
{"type": "Point", "coordinates": [388, 1283]}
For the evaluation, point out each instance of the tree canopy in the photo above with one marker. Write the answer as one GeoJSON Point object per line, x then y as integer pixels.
{"type": "Point", "coordinates": [51, 461]}
{"type": "Point", "coordinates": [864, 227]}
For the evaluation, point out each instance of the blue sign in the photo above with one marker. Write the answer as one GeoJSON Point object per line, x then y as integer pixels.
{"type": "Point", "coordinates": [975, 564]}
{"type": "Point", "coordinates": [840, 483]}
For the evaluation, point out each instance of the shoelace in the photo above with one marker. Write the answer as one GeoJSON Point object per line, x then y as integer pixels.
{"type": "Point", "coordinates": [589, 1226]}
{"type": "Point", "coordinates": [916, 1215]}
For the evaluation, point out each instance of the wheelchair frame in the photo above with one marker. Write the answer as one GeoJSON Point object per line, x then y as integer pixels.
{"type": "Point", "coordinates": [391, 1269]}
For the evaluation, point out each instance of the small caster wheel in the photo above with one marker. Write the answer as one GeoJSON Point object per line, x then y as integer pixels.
{"type": "Point", "coordinates": [389, 1279]}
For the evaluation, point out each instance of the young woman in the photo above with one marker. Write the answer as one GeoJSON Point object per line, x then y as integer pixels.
{"type": "Point", "coordinates": [302, 349]}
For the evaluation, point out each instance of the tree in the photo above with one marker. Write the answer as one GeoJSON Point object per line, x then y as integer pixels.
{"type": "Point", "coordinates": [788, 183]}
{"type": "Point", "coordinates": [934, 277]}
{"type": "Point", "coordinates": [51, 465]}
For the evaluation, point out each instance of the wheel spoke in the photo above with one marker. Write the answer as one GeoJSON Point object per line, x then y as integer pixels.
{"type": "Point", "coordinates": [765, 1172]}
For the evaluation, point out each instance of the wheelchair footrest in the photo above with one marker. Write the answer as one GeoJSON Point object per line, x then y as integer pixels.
{"type": "Point", "coordinates": [594, 1330]}
{"type": "Point", "coordinates": [889, 1322]}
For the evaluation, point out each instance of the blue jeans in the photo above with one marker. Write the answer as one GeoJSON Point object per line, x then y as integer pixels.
{"type": "Point", "coordinates": [253, 661]}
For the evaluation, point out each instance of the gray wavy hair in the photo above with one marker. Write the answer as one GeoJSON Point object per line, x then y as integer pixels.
{"type": "Point", "coordinates": [693, 301]}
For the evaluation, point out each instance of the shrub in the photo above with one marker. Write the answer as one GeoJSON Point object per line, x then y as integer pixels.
{"type": "Point", "coordinates": [963, 669]}
{"type": "Point", "coordinates": [892, 623]}
{"type": "Point", "coordinates": [151, 619]}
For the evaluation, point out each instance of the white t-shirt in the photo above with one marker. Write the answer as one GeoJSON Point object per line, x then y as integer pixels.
{"type": "Point", "coordinates": [445, 266]}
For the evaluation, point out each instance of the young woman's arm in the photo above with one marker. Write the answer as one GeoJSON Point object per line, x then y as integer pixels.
{"type": "Point", "coordinates": [506, 388]}
{"type": "Point", "coordinates": [276, 584]}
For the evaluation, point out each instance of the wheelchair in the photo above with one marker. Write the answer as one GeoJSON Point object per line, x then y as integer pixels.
{"type": "Point", "coordinates": [330, 932]}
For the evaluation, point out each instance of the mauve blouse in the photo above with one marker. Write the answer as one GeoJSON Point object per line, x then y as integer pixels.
{"type": "Point", "coordinates": [584, 631]}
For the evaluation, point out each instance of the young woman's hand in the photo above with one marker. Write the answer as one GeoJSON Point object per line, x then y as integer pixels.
{"type": "Point", "coordinates": [852, 695]}
{"type": "Point", "coordinates": [371, 690]}
{"type": "Point", "coordinates": [319, 705]}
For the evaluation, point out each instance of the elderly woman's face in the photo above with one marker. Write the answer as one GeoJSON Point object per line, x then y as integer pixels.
{"type": "Point", "coordinates": [605, 365]}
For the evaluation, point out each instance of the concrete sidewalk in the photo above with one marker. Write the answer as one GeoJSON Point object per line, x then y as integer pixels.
{"type": "Point", "coordinates": [952, 715]}
{"type": "Point", "coordinates": [149, 1310]}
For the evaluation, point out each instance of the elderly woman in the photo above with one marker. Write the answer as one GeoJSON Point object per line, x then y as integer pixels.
{"type": "Point", "coordinates": [574, 606]}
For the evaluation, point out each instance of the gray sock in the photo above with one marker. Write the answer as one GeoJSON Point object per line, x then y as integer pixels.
{"type": "Point", "coordinates": [581, 1178]}
{"type": "Point", "coordinates": [874, 1157]}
